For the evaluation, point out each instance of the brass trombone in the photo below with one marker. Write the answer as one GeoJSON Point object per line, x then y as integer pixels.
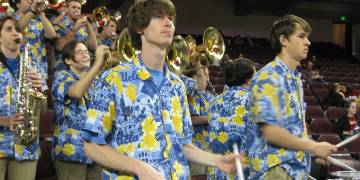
{"type": "Point", "coordinates": [123, 51]}
{"type": "Point", "coordinates": [178, 55]}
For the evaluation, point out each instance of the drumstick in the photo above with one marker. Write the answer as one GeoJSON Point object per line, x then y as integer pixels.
{"type": "Point", "coordinates": [339, 163]}
{"type": "Point", "coordinates": [238, 163]}
{"type": "Point", "coordinates": [352, 138]}
{"type": "Point", "coordinates": [311, 178]}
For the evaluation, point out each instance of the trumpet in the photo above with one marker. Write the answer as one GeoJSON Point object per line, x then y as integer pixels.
{"type": "Point", "coordinates": [100, 16]}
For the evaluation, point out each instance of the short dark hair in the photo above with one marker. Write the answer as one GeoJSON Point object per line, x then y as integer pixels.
{"type": "Point", "coordinates": [140, 14]}
{"type": "Point", "coordinates": [68, 52]}
{"type": "Point", "coordinates": [67, 2]}
{"type": "Point", "coordinates": [238, 72]}
{"type": "Point", "coordinates": [111, 19]}
{"type": "Point", "coordinates": [286, 26]}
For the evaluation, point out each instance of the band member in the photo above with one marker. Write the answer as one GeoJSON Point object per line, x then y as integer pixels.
{"type": "Point", "coordinates": [16, 161]}
{"type": "Point", "coordinates": [281, 149]}
{"type": "Point", "coordinates": [72, 94]}
{"type": "Point", "coordinates": [73, 26]}
{"type": "Point", "coordinates": [229, 113]}
{"type": "Point", "coordinates": [198, 100]}
{"type": "Point", "coordinates": [35, 27]}
{"type": "Point", "coordinates": [139, 125]}
{"type": "Point", "coordinates": [107, 34]}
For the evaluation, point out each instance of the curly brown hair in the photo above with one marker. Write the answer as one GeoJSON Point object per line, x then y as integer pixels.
{"type": "Point", "coordinates": [141, 13]}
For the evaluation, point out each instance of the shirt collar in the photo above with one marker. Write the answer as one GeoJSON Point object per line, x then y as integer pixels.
{"type": "Point", "coordinates": [289, 72]}
{"type": "Point", "coordinates": [241, 88]}
{"type": "Point", "coordinates": [142, 71]}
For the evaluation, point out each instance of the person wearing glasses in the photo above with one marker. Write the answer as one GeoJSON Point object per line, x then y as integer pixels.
{"type": "Point", "coordinates": [71, 90]}
{"type": "Point", "coordinates": [73, 26]}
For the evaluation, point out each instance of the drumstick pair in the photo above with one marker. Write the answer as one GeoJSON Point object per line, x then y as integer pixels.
{"type": "Point", "coordinates": [343, 143]}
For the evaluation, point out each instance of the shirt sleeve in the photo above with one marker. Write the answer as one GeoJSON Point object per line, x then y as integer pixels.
{"type": "Point", "coordinates": [61, 85]}
{"type": "Point", "coordinates": [265, 99]}
{"type": "Point", "coordinates": [187, 125]}
{"type": "Point", "coordinates": [101, 114]}
{"type": "Point", "coordinates": [190, 85]}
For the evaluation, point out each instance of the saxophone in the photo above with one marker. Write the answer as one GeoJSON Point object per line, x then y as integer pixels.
{"type": "Point", "coordinates": [29, 103]}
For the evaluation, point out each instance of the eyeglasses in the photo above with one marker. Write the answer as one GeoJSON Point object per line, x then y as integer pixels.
{"type": "Point", "coordinates": [81, 52]}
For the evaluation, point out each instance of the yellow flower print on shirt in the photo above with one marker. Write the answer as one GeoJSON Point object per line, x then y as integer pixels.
{"type": "Point", "coordinates": [126, 148]}
{"type": "Point", "coordinates": [272, 160]}
{"type": "Point", "coordinates": [9, 93]}
{"type": "Point", "coordinates": [68, 149]}
{"type": "Point", "coordinates": [300, 155]}
{"type": "Point", "coordinates": [57, 149]}
{"type": "Point", "coordinates": [124, 178]}
{"type": "Point", "coordinates": [149, 126]}
{"type": "Point", "coordinates": [149, 142]}
{"type": "Point", "coordinates": [19, 149]}
{"type": "Point", "coordinates": [263, 76]}
{"type": "Point", "coordinates": [240, 112]}
{"type": "Point", "coordinates": [178, 170]}
{"type": "Point", "coordinates": [91, 114]}
{"type": "Point", "coordinates": [223, 137]}
{"type": "Point", "coordinates": [143, 74]}
{"type": "Point", "coordinates": [39, 26]}
{"type": "Point", "coordinates": [256, 162]}
{"type": "Point", "coordinates": [71, 131]}
{"type": "Point", "coordinates": [114, 78]}
{"type": "Point", "coordinates": [107, 122]}
{"type": "Point", "coordinates": [223, 120]}
{"type": "Point", "coordinates": [131, 92]}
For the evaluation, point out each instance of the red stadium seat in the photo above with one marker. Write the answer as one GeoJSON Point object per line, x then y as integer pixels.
{"type": "Point", "coordinates": [334, 113]}
{"type": "Point", "coordinates": [321, 125]}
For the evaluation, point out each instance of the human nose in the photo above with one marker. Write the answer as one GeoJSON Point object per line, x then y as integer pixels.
{"type": "Point", "coordinates": [169, 22]}
{"type": "Point", "coordinates": [307, 42]}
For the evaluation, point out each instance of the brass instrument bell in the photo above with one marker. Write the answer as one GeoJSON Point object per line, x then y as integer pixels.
{"type": "Point", "coordinates": [178, 55]}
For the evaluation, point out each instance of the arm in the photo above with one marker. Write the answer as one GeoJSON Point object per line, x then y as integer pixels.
{"type": "Point", "coordinates": [198, 120]}
{"type": "Point", "coordinates": [92, 40]}
{"type": "Point", "coordinates": [49, 29]}
{"type": "Point", "coordinates": [79, 88]}
{"type": "Point", "coordinates": [108, 157]}
{"type": "Point", "coordinates": [196, 155]}
{"type": "Point", "coordinates": [224, 163]}
{"type": "Point", "coordinates": [280, 137]}
{"type": "Point", "coordinates": [62, 41]}
{"type": "Point", "coordinates": [24, 20]}
{"type": "Point", "coordinates": [67, 37]}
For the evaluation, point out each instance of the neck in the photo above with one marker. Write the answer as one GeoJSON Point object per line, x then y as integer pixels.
{"type": "Point", "coordinates": [153, 56]}
{"type": "Point", "coordinates": [8, 53]}
{"type": "Point", "coordinates": [289, 61]}
{"type": "Point", "coordinates": [78, 72]}
{"type": "Point", "coordinates": [71, 19]}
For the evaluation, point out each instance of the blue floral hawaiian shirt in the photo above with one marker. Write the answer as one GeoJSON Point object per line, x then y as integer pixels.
{"type": "Point", "coordinates": [34, 35]}
{"type": "Point", "coordinates": [105, 41]}
{"type": "Point", "coordinates": [230, 123]}
{"type": "Point", "coordinates": [70, 117]}
{"type": "Point", "coordinates": [8, 100]}
{"type": "Point", "coordinates": [138, 119]}
{"type": "Point", "coordinates": [62, 29]}
{"type": "Point", "coordinates": [276, 98]}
